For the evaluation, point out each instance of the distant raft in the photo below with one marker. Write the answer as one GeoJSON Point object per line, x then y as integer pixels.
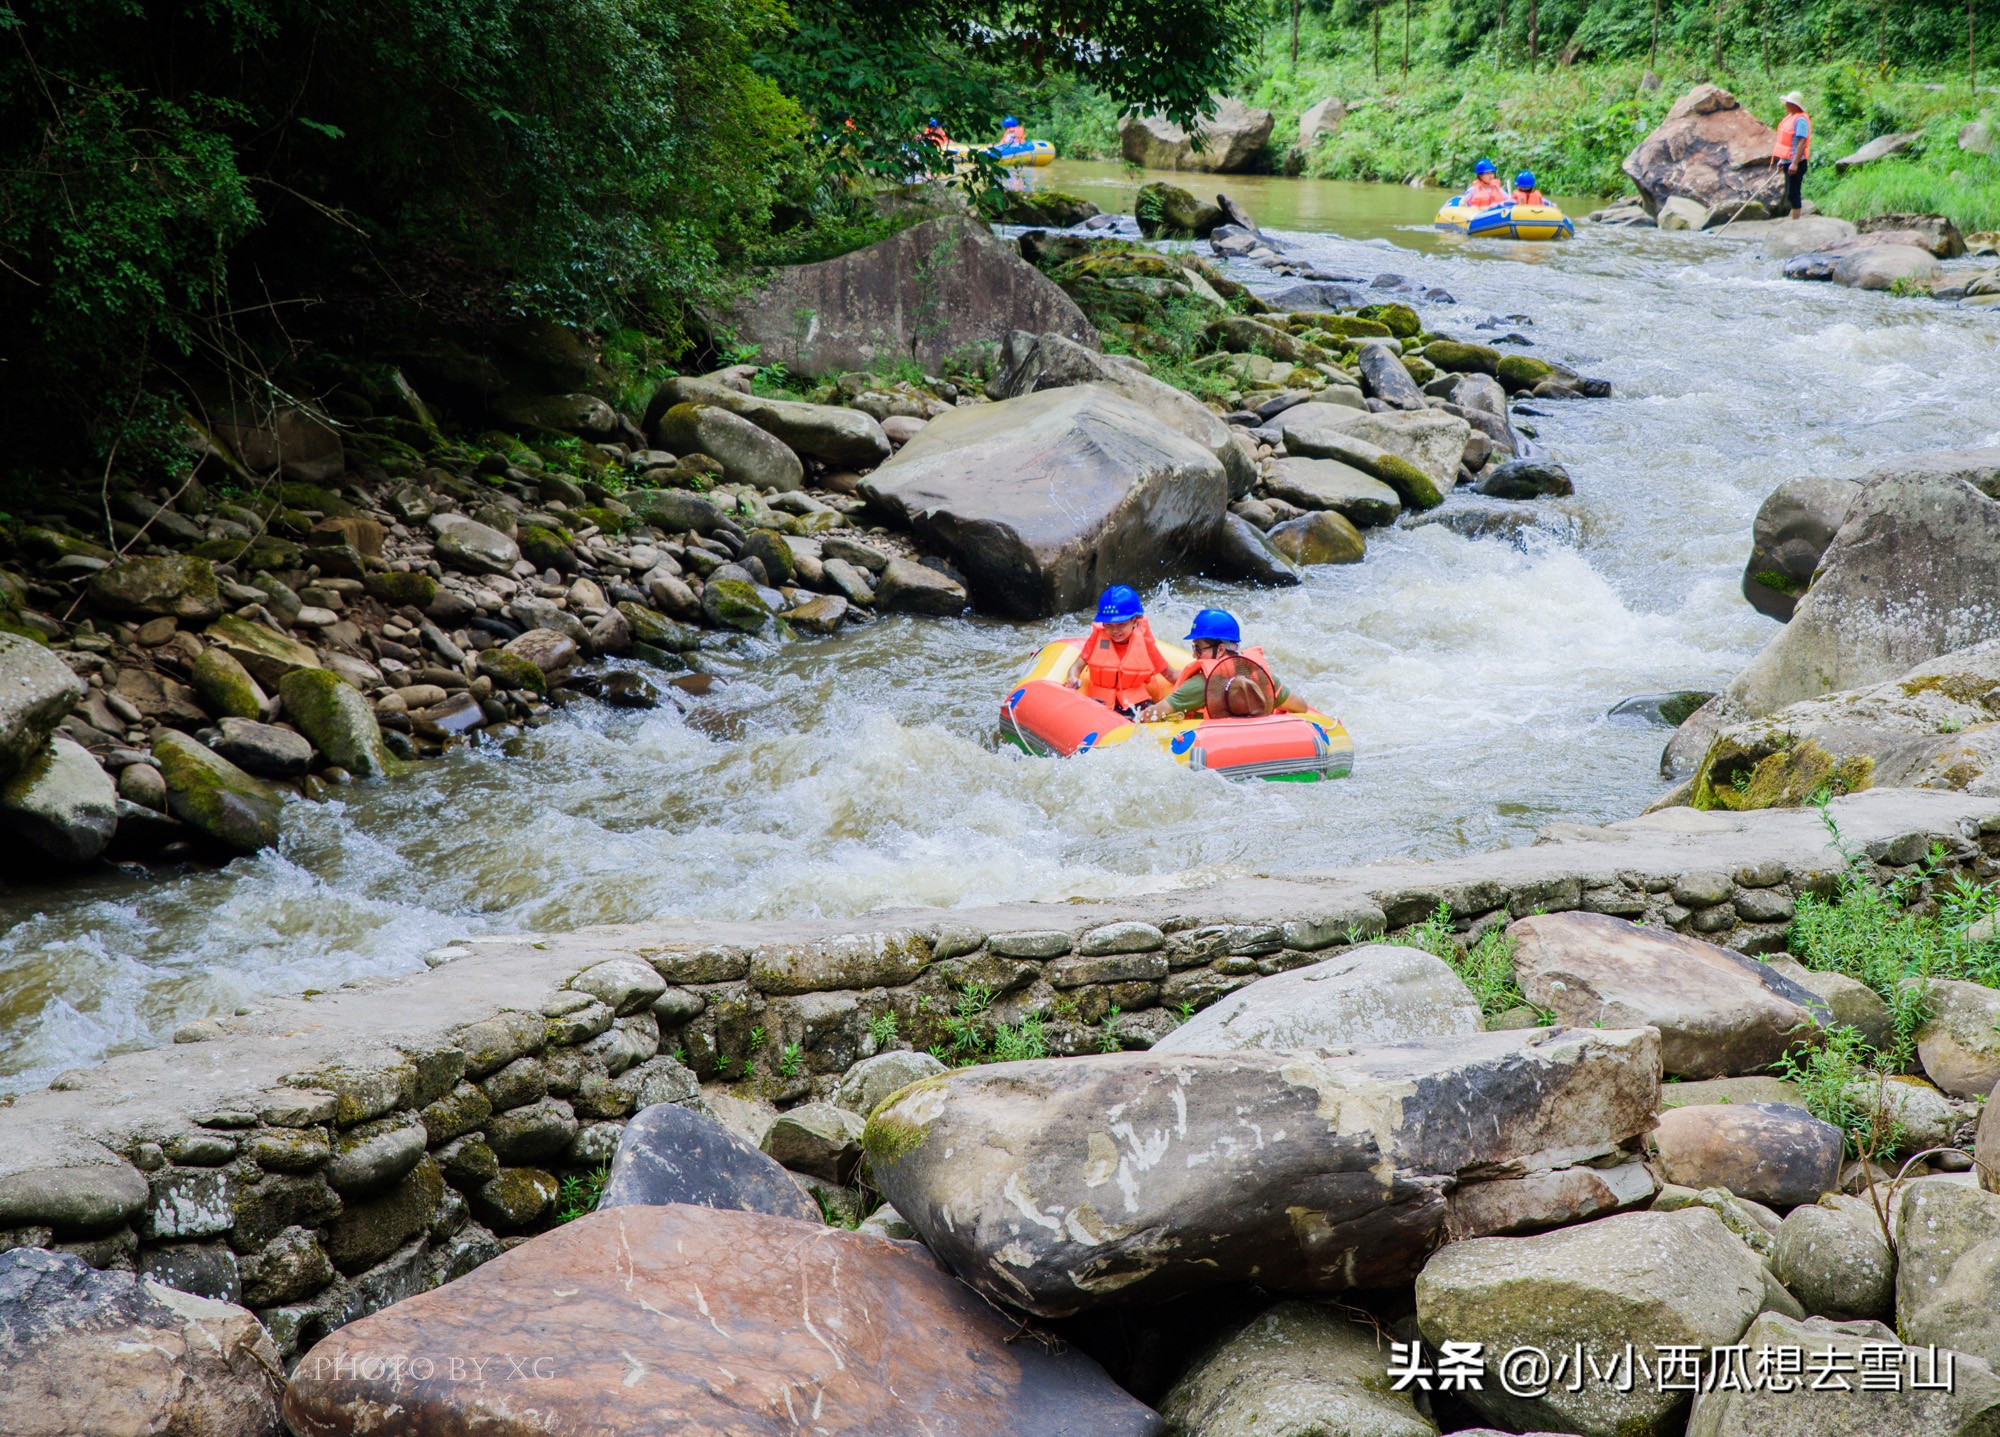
{"type": "Point", "coordinates": [1506, 221]}
{"type": "Point", "coordinates": [1029, 152]}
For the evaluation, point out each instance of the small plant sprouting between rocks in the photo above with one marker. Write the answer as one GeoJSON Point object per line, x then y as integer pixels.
{"type": "Point", "coordinates": [1487, 966]}
{"type": "Point", "coordinates": [882, 1029]}
{"type": "Point", "coordinates": [579, 1192]}
{"type": "Point", "coordinates": [970, 1039]}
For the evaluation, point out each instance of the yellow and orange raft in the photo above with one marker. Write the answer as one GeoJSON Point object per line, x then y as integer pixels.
{"type": "Point", "coordinates": [1043, 717]}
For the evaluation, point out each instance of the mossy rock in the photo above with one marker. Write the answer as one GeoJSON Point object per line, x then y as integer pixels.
{"type": "Point", "coordinates": [769, 548]}
{"type": "Point", "coordinates": [225, 686]}
{"type": "Point", "coordinates": [1738, 780]}
{"type": "Point", "coordinates": [396, 590]}
{"type": "Point", "coordinates": [604, 518]}
{"type": "Point", "coordinates": [735, 604]}
{"type": "Point", "coordinates": [1349, 326]}
{"type": "Point", "coordinates": [313, 496]}
{"type": "Point", "coordinates": [1416, 487]}
{"type": "Point", "coordinates": [1167, 211]}
{"type": "Point", "coordinates": [49, 545]}
{"type": "Point", "coordinates": [547, 548]}
{"type": "Point", "coordinates": [338, 720]}
{"type": "Point", "coordinates": [1401, 319]}
{"type": "Point", "coordinates": [658, 631]}
{"type": "Point", "coordinates": [262, 552]}
{"type": "Point", "coordinates": [1521, 372]}
{"type": "Point", "coordinates": [177, 585]}
{"type": "Point", "coordinates": [215, 797]}
{"type": "Point", "coordinates": [511, 671]}
{"type": "Point", "coordinates": [1244, 335]}
{"type": "Point", "coordinates": [1455, 358]}
{"type": "Point", "coordinates": [1419, 368]}
{"type": "Point", "coordinates": [1050, 208]}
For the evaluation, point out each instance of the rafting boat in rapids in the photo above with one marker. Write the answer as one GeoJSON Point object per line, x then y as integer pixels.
{"type": "Point", "coordinates": [1508, 221]}
{"type": "Point", "coordinates": [1028, 152]}
{"type": "Point", "coordinates": [1043, 717]}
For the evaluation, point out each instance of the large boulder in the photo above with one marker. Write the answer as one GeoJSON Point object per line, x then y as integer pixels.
{"type": "Point", "coordinates": [1321, 119]}
{"type": "Point", "coordinates": [1296, 1370]}
{"type": "Point", "coordinates": [1794, 525]}
{"type": "Point", "coordinates": [1653, 1280]}
{"type": "Point", "coordinates": [1230, 140]}
{"type": "Point", "coordinates": [672, 1154]}
{"type": "Point", "coordinates": [1429, 440]}
{"type": "Point", "coordinates": [1834, 1256]}
{"type": "Point", "coordinates": [1329, 484]}
{"type": "Point", "coordinates": [748, 454]}
{"type": "Point", "coordinates": [1879, 148]}
{"type": "Point", "coordinates": [1959, 1042]}
{"type": "Point", "coordinates": [61, 803]}
{"type": "Point", "coordinates": [1922, 542]}
{"type": "Point", "coordinates": [1963, 1311]}
{"type": "Point", "coordinates": [1772, 1153]}
{"type": "Point", "coordinates": [1934, 234]}
{"type": "Point", "coordinates": [465, 543]}
{"type": "Point", "coordinates": [1167, 211]}
{"type": "Point", "coordinates": [935, 290]}
{"type": "Point", "coordinates": [1937, 1222]}
{"type": "Point", "coordinates": [110, 1354]}
{"type": "Point", "coordinates": [37, 690]}
{"type": "Point", "coordinates": [1962, 1403]}
{"type": "Point", "coordinates": [1060, 1185]}
{"type": "Point", "coordinates": [338, 720]}
{"type": "Point", "coordinates": [1054, 361]}
{"type": "Point", "coordinates": [1885, 266]}
{"type": "Point", "coordinates": [1718, 1012]}
{"type": "Point", "coordinates": [843, 438]}
{"type": "Point", "coordinates": [1042, 501]}
{"type": "Point", "coordinates": [215, 797]}
{"type": "Point", "coordinates": [1931, 727]}
{"type": "Point", "coordinates": [176, 586]}
{"type": "Point", "coordinates": [705, 1323]}
{"type": "Point", "coordinates": [1380, 993]}
{"type": "Point", "coordinates": [1711, 150]}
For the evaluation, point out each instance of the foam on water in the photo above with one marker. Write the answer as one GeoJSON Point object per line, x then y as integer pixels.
{"type": "Point", "coordinates": [833, 777]}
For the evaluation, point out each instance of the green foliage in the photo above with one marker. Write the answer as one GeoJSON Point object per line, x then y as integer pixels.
{"type": "Point", "coordinates": [1835, 1084]}
{"type": "Point", "coordinates": [578, 1193]}
{"type": "Point", "coordinates": [1020, 1042]}
{"type": "Point", "coordinates": [882, 1028]}
{"type": "Point", "coordinates": [1487, 966]}
{"type": "Point", "coordinates": [791, 1061]}
{"type": "Point", "coordinates": [1108, 1040]}
{"type": "Point", "coordinates": [1171, 344]}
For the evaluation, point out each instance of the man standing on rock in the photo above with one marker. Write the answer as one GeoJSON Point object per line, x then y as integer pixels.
{"type": "Point", "coordinates": [1794, 142]}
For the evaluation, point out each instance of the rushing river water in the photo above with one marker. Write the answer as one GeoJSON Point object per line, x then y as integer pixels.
{"type": "Point", "coordinates": [840, 775]}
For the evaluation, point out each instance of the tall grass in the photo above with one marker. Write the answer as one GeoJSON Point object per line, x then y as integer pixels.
{"type": "Point", "coordinates": [1486, 965]}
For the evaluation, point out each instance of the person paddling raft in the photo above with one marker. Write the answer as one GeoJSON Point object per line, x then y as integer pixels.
{"type": "Point", "coordinates": [1485, 192]}
{"type": "Point", "coordinates": [1525, 192]}
{"type": "Point", "coordinates": [1012, 132]}
{"type": "Point", "coordinates": [1119, 660]}
{"type": "Point", "coordinates": [1793, 146]}
{"type": "Point", "coordinates": [1225, 680]}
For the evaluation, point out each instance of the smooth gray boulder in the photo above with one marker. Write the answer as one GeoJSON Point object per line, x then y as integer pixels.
{"type": "Point", "coordinates": [836, 436]}
{"type": "Point", "coordinates": [1329, 484]}
{"type": "Point", "coordinates": [1059, 1185]}
{"type": "Point", "coordinates": [1777, 1154]}
{"type": "Point", "coordinates": [1244, 552]}
{"type": "Point", "coordinates": [1937, 1221]}
{"type": "Point", "coordinates": [1296, 1370]}
{"type": "Point", "coordinates": [1431, 441]}
{"type": "Point", "coordinates": [61, 803]}
{"type": "Point", "coordinates": [672, 1154]}
{"type": "Point", "coordinates": [1652, 1279]}
{"type": "Point", "coordinates": [1230, 139]}
{"type": "Point", "coordinates": [1885, 266]}
{"type": "Point", "coordinates": [1833, 1255]}
{"type": "Point", "coordinates": [1043, 501]}
{"type": "Point", "coordinates": [869, 1081]}
{"type": "Point", "coordinates": [37, 690]}
{"type": "Point", "coordinates": [1711, 150]}
{"type": "Point", "coordinates": [1383, 376]}
{"type": "Point", "coordinates": [1810, 1406]}
{"type": "Point", "coordinates": [1795, 523]}
{"type": "Point", "coordinates": [748, 454]}
{"type": "Point", "coordinates": [464, 543]}
{"type": "Point", "coordinates": [1381, 993]}
{"type": "Point", "coordinates": [1962, 1312]}
{"type": "Point", "coordinates": [1959, 1043]}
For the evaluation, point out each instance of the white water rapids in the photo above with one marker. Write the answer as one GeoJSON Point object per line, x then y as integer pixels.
{"type": "Point", "coordinates": [834, 776]}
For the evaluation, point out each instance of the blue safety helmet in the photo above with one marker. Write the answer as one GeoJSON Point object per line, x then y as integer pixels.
{"type": "Point", "coordinates": [1009, 123]}
{"type": "Point", "coordinates": [1217, 624]}
{"type": "Point", "coordinates": [1117, 604]}
{"type": "Point", "coordinates": [1484, 167]}
{"type": "Point", "coordinates": [1525, 180]}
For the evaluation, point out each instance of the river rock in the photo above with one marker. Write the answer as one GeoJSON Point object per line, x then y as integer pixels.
{"type": "Point", "coordinates": [1882, 266]}
{"type": "Point", "coordinates": [1986, 1143]}
{"type": "Point", "coordinates": [1794, 525]}
{"type": "Point", "coordinates": [1963, 1311]}
{"type": "Point", "coordinates": [1167, 211]}
{"type": "Point", "coordinates": [1053, 361]}
{"type": "Point", "coordinates": [749, 455]}
{"type": "Point", "coordinates": [1771, 1153]}
{"type": "Point", "coordinates": [1243, 552]}
{"type": "Point", "coordinates": [1935, 234]}
{"type": "Point", "coordinates": [1432, 441]}
{"type": "Point", "coordinates": [1650, 1279]}
{"type": "Point", "coordinates": [1383, 377]}
{"type": "Point", "coordinates": [672, 1154]}
{"type": "Point", "coordinates": [1042, 501]}
{"type": "Point", "coordinates": [675, 511]}
{"type": "Point", "coordinates": [845, 438]}
{"type": "Point", "coordinates": [908, 587]}
{"type": "Point", "coordinates": [262, 749]}
{"type": "Point", "coordinates": [467, 544]}
{"type": "Point", "coordinates": [173, 586]}
{"type": "Point", "coordinates": [1718, 1012]}
{"type": "Point", "coordinates": [61, 803]}
{"type": "Point", "coordinates": [1937, 1221]}
{"type": "Point", "coordinates": [1852, 1003]}
{"type": "Point", "coordinates": [1710, 149]}
{"type": "Point", "coordinates": [1879, 148]}
{"type": "Point", "coordinates": [733, 1323]}
{"type": "Point", "coordinates": [1231, 140]}
{"type": "Point", "coordinates": [108, 1353]}
{"type": "Point", "coordinates": [821, 1140]}
{"type": "Point", "coordinates": [1329, 484]}
{"type": "Point", "coordinates": [1295, 1370]}
{"type": "Point", "coordinates": [1960, 1042]}
{"type": "Point", "coordinates": [871, 1080]}
{"type": "Point", "coordinates": [1525, 479]}
{"type": "Point", "coordinates": [1786, 238]}
{"type": "Point", "coordinates": [1834, 1257]}
{"type": "Point", "coordinates": [1841, 1406]}
{"type": "Point", "coordinates": [37, 690]}
{"type": "Point", "coordinates": [1321, 537]}
{"type": "Point", "coordinates": [1380, 993]}
{"type": "Point", "coordinates": [1063, 1184]}
{"type": "Point", "coordinates": [225, 686]}
{"type": "Point", "coordinates": [215, 797]}
{"type": "Point", "coordinates": [264, 653]}
{"type": "Point", "coordinates": [1678, 212]}
{"type": "Point", "coordinates": [552, 652]}
{"type": "Point", "coordinates": [338, 720]}
{"type": "Point", "coordinates": [928, 293]}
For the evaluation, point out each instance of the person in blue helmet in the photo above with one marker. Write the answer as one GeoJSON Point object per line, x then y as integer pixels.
{"type": "Point", "coordinates": [1225, 680]}
{"type": "Point", "coordinates": [1525, 192]}
{"type": "Point", "coordinates": [1485, 192]}
{"type": "Point", "coordinates": [1120, 663]}
{"type": "Point", "coordinates": [1013, 132]}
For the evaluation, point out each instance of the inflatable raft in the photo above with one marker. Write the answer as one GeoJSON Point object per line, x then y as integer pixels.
{"type": "Point", "coordinates": [1042, 717]}
{"type": "Point", "coordinates": [1508, 221]}
{"type": "Point", "coordinates": [1029, 152]}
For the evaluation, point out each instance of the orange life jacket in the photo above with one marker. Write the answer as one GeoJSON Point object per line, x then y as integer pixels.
{"type": "Point", "coordinates": [1129, 674]}
{"type": "Point", "coordinates": [1484, 194]}
{"type": "Point", "coordinates": [1529, 197]}
{"type": "Point", "coordinates": [1794, 138]}
{"type": "Point", "coordinates": [1205, 667]}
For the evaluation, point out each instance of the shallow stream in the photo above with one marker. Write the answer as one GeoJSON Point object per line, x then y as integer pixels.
{"type": "Point", "coordinates": [834, 776]}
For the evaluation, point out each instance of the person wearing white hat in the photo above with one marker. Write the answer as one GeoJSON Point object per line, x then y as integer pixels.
{"type": "Point", "coordinates": [1794, 144]}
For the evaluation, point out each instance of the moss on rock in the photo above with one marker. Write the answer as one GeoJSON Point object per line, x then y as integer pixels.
{"type": "Point", "coordinates": [338, 720]}
{"type": "Point", "coordinates": [547, 548]}
{"type": "Point", "coordinates": [1456, 358]}
{"type": "Point", "coordinates": [396, 590]}
{"type": "Point", "coordinates": [1519, 372]}
{"type": "Point", "coordinates": [736, 604]}
{"type": "Point", "coordinates": [215, 797]}
{"type": "Point", "coordinates": [225, 686]}
{"type": "Point", "coordinates": [511, 671]}
{"type": "Point", "coordinates": [1400, 319]}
